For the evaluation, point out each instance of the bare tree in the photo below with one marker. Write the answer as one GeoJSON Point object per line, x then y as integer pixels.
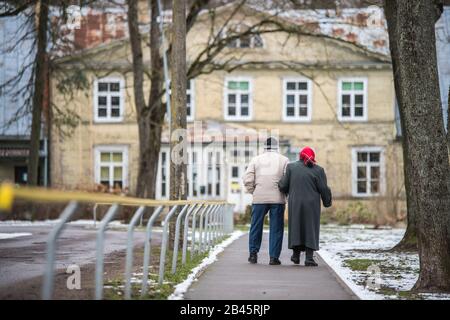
{"type": "Point", "coordinates": [178, 179]}
{"type": "Point", "coordinates": [38, 92]}
{"type": "Point", "coordinates": [427, 159]}
{"type": "Point", "coordinates": [178, 166]}
{"type": "Point", "coordinates": [409, 240]}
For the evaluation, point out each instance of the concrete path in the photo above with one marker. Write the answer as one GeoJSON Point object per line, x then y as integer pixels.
{"type": "Point", "coordinates": [24, 258]}
{"type": "Point", "coordinates": [232, 277]}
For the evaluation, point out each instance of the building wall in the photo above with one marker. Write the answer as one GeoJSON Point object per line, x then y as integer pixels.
{"type": "Point", "coordinates": [73, 157]}
{"type": "Point", "coordinates": [6, 172]}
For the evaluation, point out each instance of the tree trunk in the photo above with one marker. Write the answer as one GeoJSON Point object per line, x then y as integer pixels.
{"type": "Point", "coordinates": [424, 133]}
{"type": "Point", "coordinates": [409, 240]}
{"type": "Point", "coordinates": [448, 120]}
{"type": "Point", "coordinates": [38, 93]}
{"type": "Point", "coordinates": [178, 179]}
{"type": "Point", "coordinates": [150, 118]}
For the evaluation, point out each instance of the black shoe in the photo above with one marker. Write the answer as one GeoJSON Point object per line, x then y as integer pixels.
{"type": "Point", "coordinates": [253, 258]}
{"type": "Point", "coordinates": [274, 261]}
{"type": "Point", "coordinates": [295, 259]}
{"type": "Point", "coordinates": [310, 263]}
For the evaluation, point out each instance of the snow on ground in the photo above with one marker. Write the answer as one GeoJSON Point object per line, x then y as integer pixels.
{"type": "Point", "coordinates": [376, 273]}
{"type": "Point", "coordinates": [181, 288]}
{"type": "Point", "coordinates": [4, 236]}
{"type": "Point", "coordinates": [81, 223]}
{"type": "Point", "coordinates": [27, 223]}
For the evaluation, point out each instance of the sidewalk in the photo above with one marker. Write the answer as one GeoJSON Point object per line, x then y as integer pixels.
{"type": "Point", "coordinates": [233, 278]}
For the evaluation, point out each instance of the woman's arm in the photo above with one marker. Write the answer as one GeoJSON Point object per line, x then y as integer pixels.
{"type": "Point", "coordinates": [283, 184]}
{"type": "Point", "coordinates": [325, 192]}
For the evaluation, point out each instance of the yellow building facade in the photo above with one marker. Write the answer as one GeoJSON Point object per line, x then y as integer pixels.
{"type": "Point", "coordinates": [309, 90]}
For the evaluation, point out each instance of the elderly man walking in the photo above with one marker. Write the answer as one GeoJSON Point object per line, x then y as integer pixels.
{"type": "Point", "coordinates": [261, 180]}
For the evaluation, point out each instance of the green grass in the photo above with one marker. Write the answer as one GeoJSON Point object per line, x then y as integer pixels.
{"type": "Point", "coordinates": [360, 264]}
{"type": "Point", "coordinates": [156, 291]}
{"type": "Point", "coordinates": [402, 294]}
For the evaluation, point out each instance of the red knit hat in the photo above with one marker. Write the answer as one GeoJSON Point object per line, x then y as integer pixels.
{"type": "Point", "coordinates": [308, 156]}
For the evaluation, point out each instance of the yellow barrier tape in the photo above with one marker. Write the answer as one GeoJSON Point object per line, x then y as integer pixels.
{"type": "Point", "coordinates": [6, 196]}
{"type": "Point", "coordinates": [8, 193]}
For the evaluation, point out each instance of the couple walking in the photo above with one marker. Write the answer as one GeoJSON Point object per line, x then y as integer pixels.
{"type": "Point", "coordinates": [270, 178]}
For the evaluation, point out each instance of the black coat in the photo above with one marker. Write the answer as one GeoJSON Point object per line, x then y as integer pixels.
{"type": "Point", "coordinates": [305, 186]}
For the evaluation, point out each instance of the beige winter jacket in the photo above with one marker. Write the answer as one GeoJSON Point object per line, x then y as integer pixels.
{"type": "Point", "coordinates": [262, 176]}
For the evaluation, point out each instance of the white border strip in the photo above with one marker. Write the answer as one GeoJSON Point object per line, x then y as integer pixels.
{"type": "Point", "coordinates": [181, 288]}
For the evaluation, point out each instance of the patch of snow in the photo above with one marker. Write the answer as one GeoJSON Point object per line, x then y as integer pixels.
{"type": "Point", "coordinates": [4, 236]}
{"type": "Point", "coordinates": [27, 223]}
{"type": "Point", "coordinates": [181, 288]}
{"type": "Point", "coordinates": [397, 271]}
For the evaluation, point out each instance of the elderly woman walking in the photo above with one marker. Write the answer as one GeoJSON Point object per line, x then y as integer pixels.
{"type": "Point", "coordinates": [306, 183]}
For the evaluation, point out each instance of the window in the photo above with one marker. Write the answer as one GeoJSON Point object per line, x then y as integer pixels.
{"type": "Point", "coordinates": [238, 99]}
{"type": "Point", "coordinates": [297, 99]}
{"type": "Point", "coordinates": [111, 166]}
{"type": "Point", "coordinates": [352, 99]}
{"type": "Point", "coordinates": [244, 41]}
{"type": "Point", "coordinates": [164, 177]}
{"type": "Point", "coordinates": [204, 173]}
{"type": "Point", "coordinates": [218, 172]}
{"type": "Point", "coordinates": [368, 171]}
{"type": "Point", "coordinates": [190, 101]}
{"type": "Point", "coordinates": [194, 174]}
{"type": "Point", "coordinates": [108, 100]}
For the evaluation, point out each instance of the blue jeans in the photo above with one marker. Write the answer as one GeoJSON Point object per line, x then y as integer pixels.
{"type": "Point", "coordinates": [276, 233]}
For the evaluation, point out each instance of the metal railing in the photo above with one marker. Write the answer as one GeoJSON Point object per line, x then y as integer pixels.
{"type": "Point", "coordinates": [214, 219]}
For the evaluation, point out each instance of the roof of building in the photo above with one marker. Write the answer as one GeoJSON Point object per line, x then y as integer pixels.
{"type": "Point", "coordinates": [363, 27]}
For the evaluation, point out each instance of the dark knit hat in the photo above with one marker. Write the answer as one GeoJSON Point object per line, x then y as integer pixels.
{"type": "Point", "coordinates": [271, 143]}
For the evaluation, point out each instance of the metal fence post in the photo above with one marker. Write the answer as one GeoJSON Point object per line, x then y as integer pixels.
{"type": "Point", "coordinates": [186, 231]}
{"type": "Point", "coordinates": [177, 238]}
{"type": "Point", "coordinates": [221, 220]}
{"type": "Point", "coordinates": [201, 226]}
{"type": "Point", "coordinates": [206, 228]}
{"type": "Point", "coordinates": [47, 289]}
{"type": "Point", "coordinates": [194, 219]}
{"type": "Point", "coordinates": [148, 248]}
{"type": "Point", "coordinates": [162, 259]}
{"type": "Point", "coordinates": [208, 220]}
{"type": "Point", "coordinates": [129, 259]}
{"type": "Point", "coordinates": [214, 226]}
{"type": "Point", "coordinates": [100, 242]}
{"type": "Point", "coordinates": [218, 223]}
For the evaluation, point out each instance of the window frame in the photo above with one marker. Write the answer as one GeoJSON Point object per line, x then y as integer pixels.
{"type": "Point", "coordinates": [382, 180]}
{"type": "Point", "coordinates": [108, 118]}
{"type": "Point", "coordinates": [238, 116]}
{"type": "Point", "coordinates": [297, 117]}
{"type": "Point", "coordinates": [191, 91]}
{"type": "Point", "coordinates": [352, 117]}
{"type": "Point", "coordinates": [225, 33]}
{"type": "Point", "coordinates": [98, 150]}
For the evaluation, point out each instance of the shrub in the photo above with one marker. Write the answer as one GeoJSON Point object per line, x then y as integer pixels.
{"type": "Point", "coordinates": [343, 217]}
{"type": "Point", "coordinates": [355, 212]}
{"type": "Point", "coordinates": [245, 218]}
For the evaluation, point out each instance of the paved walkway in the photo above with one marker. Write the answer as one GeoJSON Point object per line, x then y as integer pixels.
{"type": "Point", "coordinates": [232, 277]}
